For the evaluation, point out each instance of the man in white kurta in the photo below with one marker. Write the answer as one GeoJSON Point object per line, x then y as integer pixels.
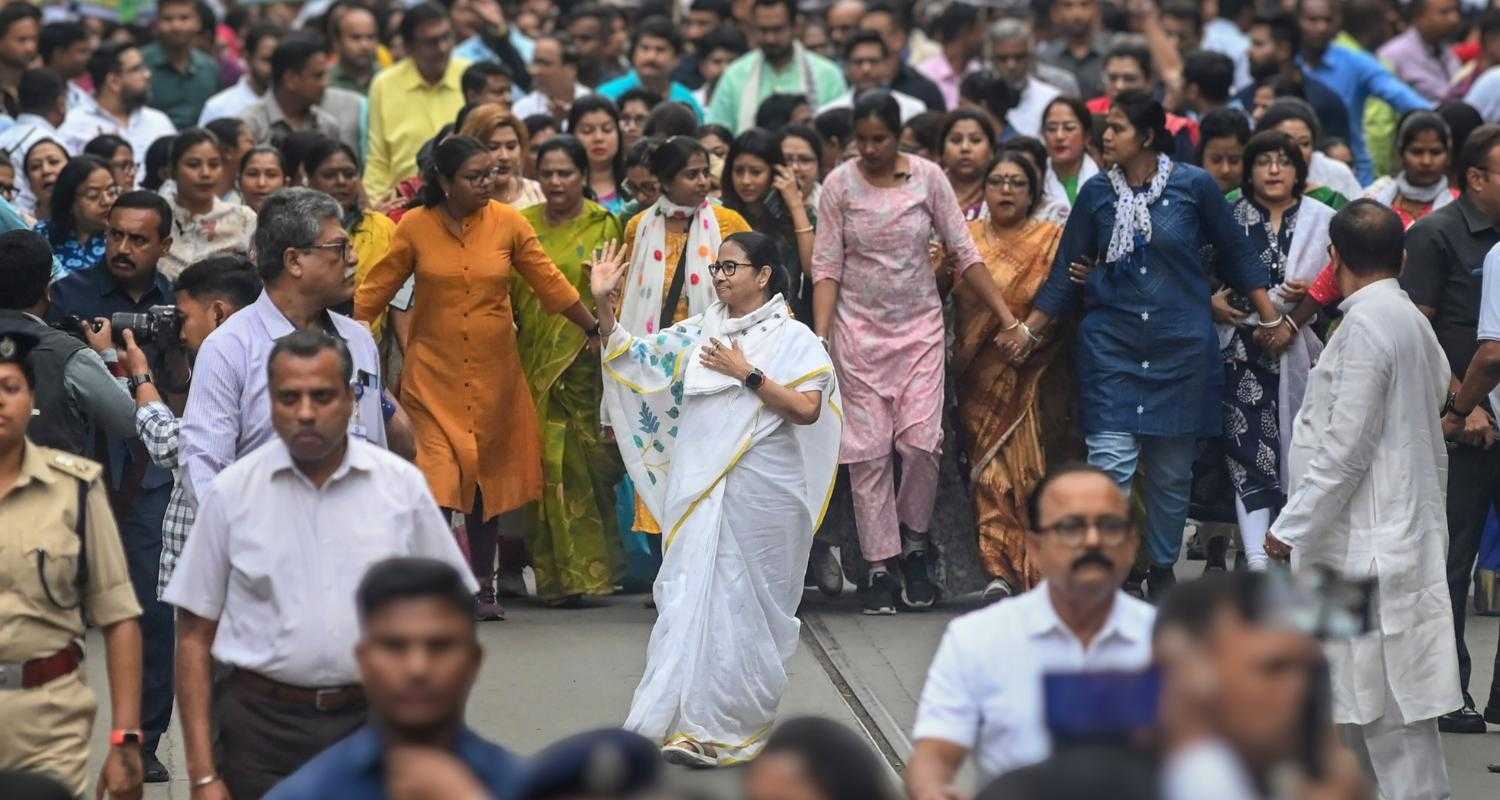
{"type": "Point", "coordinates": [1368, 468]}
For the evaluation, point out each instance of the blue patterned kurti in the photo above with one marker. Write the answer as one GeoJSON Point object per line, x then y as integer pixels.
{"type": "Point", "coordinates": [1148, 358]}
{"type": "Point", "coordinates": [72, 256]}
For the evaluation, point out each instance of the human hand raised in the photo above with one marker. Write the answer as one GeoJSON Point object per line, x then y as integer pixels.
{"type": "Point", "coordinates": [606, 270]}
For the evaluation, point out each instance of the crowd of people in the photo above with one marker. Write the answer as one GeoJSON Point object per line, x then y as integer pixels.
{"type": "Point", "coordinates": [565, 300]}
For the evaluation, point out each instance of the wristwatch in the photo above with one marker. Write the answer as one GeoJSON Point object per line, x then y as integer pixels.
{"type": "Point", "coordinates": [120, 737]}
{"type": "Point", "coordinates": [135, 382]}
{"type": "Point", "coordinates": [1448, 407]}
{"type": "Point", "coordinates": [593, 333]}
{"type": "Point", "coordinates": [754, 380]}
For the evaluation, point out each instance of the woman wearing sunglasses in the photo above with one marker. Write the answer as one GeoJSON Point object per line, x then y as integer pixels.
{"type": "Point", "coordinates": [732, 442]}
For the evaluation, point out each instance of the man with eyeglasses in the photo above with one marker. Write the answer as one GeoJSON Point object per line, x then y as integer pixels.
{"type": "Point", "coordinates": [984, 689]}
{"type": "Point", "coordinates": [122, 84]}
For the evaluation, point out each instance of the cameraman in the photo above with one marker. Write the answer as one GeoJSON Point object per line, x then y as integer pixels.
{"type": "Point", "coordinates": [1244, 698]}
{"type": "Point", "coordinates": [75, 392]}
{"type": "Point", "coordinates": [137, 234]}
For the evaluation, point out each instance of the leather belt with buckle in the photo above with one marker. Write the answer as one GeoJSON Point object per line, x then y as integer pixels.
{"type": "Point", "coordinates": [329, 699]}
{"type": "Point", "coordinates": [40, 671]}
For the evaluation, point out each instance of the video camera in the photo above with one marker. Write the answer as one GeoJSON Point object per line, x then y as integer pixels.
{"type": "Point", "coordinates": [158, 325]}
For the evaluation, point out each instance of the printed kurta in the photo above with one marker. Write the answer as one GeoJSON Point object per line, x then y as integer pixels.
{"type": "Point", "coordinates": [999, 405]}
{"type": "Point", "coordinates": [573, 540]}
{"type": "Point", "coordinates": [471, 411]}
{"type": "Point", "coordinates": [888, 325]}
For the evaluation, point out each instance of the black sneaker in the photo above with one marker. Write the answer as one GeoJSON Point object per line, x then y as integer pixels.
{"type": "Point", "coordinates": [879, 595]}
{"type": "Point", "coordinates": [1492, 711]}
{"type": "Point", "coordinates": [153, 770]}
{"type": "Point", "coordinates": [917, 589]}
{"type": "Point", "coordinates": [1159, 580]}
{"type": "Point", "coordinates": [1464, 720]}
{"type": "Point", "coordinates": [1217, 555]}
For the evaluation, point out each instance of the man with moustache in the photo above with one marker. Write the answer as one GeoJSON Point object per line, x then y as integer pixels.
{"type": "Point", "coordinates": [127, 281]}
{"type": "Point", "coordinates": [265, 584]}
{"type": "Point", "coordinates": [1076, 620]}
{"type": "Point", "coordinates": [1275, 40]}
{"type": "Point", "coordinates": [122, 84]}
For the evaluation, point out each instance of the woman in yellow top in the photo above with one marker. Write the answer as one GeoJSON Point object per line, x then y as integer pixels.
{"type": "Point", "coordinates": [507, 139]}
{"type": "Point", "coordinates": [671, 245]}
{"type": "Point", "coordinates": [472, 414]}
{"type": "Point", "coordinates": [333, 169]}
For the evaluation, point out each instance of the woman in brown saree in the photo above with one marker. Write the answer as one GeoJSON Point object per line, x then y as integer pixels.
{"type": "Point", "coordinates": [999, 403]}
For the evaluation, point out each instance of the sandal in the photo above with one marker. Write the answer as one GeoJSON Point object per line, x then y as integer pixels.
{"type": "Point", "coordinates": [688, 753]}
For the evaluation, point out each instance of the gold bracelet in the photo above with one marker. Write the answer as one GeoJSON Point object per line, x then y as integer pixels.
{"type": "Point", "coordinates": [206, 780]}
{"type": "Point", "coordinates": [799, 231]}
{"type": "Point", "coordinates": [1011, 327]}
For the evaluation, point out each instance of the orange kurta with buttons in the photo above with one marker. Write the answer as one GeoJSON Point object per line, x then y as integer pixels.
{"type": "Point", "coordinates": [463, 387]}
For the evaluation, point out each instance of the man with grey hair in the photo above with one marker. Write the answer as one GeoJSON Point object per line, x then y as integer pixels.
{"type": "Point", "coordinates": [305, 258]}
{"type": "Point", "coordinates": [266, 581]}
{"type": "Point", "coordinates": [1012, 50]}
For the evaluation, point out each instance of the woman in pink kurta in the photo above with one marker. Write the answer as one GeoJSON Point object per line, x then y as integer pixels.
{"type": "Point", "coordinates": [876, 303]}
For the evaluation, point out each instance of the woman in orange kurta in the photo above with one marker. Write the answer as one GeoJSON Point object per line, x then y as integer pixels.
{"type": "Point", "coordinates": [478, 441]}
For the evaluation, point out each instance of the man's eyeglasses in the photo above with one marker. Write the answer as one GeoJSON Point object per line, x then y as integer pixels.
{"type": "Point", "coordinates": [727, 268]}
{"type": "Point", "coordinates": [344, 248]}
{"type": "Point", "coordinates": [1072, 530]}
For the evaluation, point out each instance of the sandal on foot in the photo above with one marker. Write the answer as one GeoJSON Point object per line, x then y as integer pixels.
{"type": "Point", "coordinates": [688, 753]}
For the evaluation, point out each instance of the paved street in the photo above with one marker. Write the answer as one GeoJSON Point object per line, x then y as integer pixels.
{"type": "Point", "coordinates": [550, 672]}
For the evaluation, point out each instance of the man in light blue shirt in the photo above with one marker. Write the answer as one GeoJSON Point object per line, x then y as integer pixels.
{"type": "Point", "coordinates": [654, 53]}
{"type": "Point", "coordinates": [1353, 76]}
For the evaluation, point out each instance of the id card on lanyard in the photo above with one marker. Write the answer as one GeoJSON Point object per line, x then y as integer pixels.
{"type": "Point", "coordinates": [363, 382]}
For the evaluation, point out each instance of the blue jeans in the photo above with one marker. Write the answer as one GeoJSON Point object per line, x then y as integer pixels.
{"type": "Point", "coordinates": [1168, 473]}
{"type": "Point", "coordinates": [140, 533]}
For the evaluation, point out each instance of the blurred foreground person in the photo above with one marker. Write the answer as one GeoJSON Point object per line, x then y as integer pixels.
{"type": "Point", "coordinates": [1082, 541]}
{"type": "Point", "coordinates": [1367, 464]}
{"type": "Point", "coordinates": [814, 758]}
{"type": "Point", "coordinates": [61, 559]}
{"type": "Point", "coordinates": [418, 655]}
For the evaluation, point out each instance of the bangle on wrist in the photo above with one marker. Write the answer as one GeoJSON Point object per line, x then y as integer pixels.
{"type": "Point", "coordinates": [1273, 323]}
{"type": "Point", "coordinates": [1011, 327]}
{"type": "Point", "coordinates": [808, 229]}
{"type": "Point", "coordinates": [1027, 329]}
{"type": "Point", "coordinates": [210, 778]}
{"type": "Point", "coordinates": [1291, 323]}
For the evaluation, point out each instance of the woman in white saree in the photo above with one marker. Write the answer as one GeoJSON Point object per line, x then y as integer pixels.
{"type": "Point", "coordinates": [729, 425]}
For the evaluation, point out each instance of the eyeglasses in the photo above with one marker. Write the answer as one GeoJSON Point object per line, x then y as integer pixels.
{"type": "Point", "coordinates": [1007, 182]}
{"type": "Point", "coordinates": [343, 247]}
{"type": "Point", "coordinates": [126, 166]}
{"type": "Point", "coordinates": [1072, 530]}
{"type": "Point", "coordinates": [800, 160]}
{"type": "Point", "coordinates": [1062, 127]}
{"type": "Point", "coordinates": [1268, 160]}
{"type": "Point", "coordinates": [482, 177]}
{"type": "Point", "coordinates": [727, 268]}
{"type": "Point", "coordinates": [95, 195]}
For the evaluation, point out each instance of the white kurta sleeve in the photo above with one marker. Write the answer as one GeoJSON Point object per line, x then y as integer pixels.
{"type": "Point", "coordinates": [948, 710]}
{"type": "Point", "coordinates": [1345, 430]}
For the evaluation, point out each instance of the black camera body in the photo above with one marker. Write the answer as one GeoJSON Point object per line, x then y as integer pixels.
{"type": "Point", "coordinates": [158, 325]}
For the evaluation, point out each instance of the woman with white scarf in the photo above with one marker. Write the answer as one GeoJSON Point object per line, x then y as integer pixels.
{"type": "Point", "coordinates": [670, 246]}
{"type": "Point", "coordinates": [1148, 358]}
{"type": "Point", "coordinates": [733, 434]}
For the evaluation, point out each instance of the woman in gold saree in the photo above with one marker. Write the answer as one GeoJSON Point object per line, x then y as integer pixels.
{"type": "Point", "coordinates": [999, 404]}
{"type": "Point", "coordinates": [572, 537]}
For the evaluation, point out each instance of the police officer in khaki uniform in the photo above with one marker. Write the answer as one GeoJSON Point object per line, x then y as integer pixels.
{"type": "Point", "coordinates": [55, 568]}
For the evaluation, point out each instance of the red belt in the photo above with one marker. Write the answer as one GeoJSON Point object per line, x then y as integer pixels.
{"type": "Point", "coordinates": [335, 698]}
{"type": "Point", "coordinates": [41, 671]}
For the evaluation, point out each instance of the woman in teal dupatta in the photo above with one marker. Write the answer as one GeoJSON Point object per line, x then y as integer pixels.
{"type": "Point", "coordinates": [573, 537]}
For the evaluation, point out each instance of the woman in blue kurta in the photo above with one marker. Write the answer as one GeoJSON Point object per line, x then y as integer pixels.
{"type": "Point", "coordinates": [1148, 358]}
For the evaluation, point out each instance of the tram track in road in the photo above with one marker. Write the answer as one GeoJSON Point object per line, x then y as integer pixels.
{"type": "Point", "coordinates": [875, 719]}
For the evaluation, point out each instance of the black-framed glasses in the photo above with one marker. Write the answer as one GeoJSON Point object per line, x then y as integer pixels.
{"type": "Point", "coordinates": [1007, 182]}
{"type": "Point", "coordinates": [728, 268]}
{"type": "Point", "coordinates": [344, 248]}
{"type": "Point", "coordinates": [1071, 531]}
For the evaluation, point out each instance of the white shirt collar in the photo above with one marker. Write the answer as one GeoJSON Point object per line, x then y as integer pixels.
{"type": "Point", "coordinates": [1369, 291]}
{"type": "Point", "coordinates": [1041, 619]}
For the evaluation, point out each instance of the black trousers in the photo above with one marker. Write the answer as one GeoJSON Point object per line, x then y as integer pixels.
{"type": "Point", "coordinates": [1473, 487]}
{"type": "Point", "coordinates": [140, 533]}
{"type": "Point", "coordinates": [259, 741]}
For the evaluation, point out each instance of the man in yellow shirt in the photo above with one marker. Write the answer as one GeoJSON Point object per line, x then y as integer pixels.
{"type": "Point", "coordinates": [413, 99]}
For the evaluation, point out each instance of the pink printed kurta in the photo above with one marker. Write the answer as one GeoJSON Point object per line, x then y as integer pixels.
{"type": "Point", "coordinates": [888, 326]}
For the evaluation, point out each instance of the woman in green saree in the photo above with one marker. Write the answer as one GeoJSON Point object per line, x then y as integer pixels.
{"type": "Point", "coordinates": [573, 536]}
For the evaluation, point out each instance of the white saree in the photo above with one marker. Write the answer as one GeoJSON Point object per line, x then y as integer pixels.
{"type": "Point", "coordinates": [738, 491]}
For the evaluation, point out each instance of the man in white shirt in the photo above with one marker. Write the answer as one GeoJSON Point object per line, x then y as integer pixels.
{"type": "Point", "coordinates": [122, 85]}
{"type": "Point", "coordinates": [867, 66]}
{"type": "Point", "coordinates": [554, 71]}
{"type": "Point", "coordinates": [984, 688]}
{"type": "Point", "coordinates": [43, 99]}
{"type": "Point", "coordinates": [267, 579]}
{"type": "Point", "coordinates": [1011, 47]}
{"type": "Point", "coordinates": [1368, 468]}
{"type": "Point", "coordinates": [260, 42]}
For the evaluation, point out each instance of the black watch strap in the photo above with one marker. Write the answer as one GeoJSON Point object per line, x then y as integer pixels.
{"type": "Point", "coordinates": [754, 380]}
{"type": "Point", "coordinates": [1448, 407]}
{"type": "Point", "coordinates": [135, 382]}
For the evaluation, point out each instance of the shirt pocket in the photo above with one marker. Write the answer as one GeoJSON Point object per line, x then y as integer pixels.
{"type": "Point", "coordinates": [49, 570]}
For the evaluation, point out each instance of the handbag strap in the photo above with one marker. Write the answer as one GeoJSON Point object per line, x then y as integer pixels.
{"type": "Point", "coordinates": [674, 292]}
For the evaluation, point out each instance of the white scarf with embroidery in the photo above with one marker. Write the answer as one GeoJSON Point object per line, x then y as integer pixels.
{"type": "Point", "coordinates": [1133, 211]}
{"type": "Point", "coordinates": [646, 286]}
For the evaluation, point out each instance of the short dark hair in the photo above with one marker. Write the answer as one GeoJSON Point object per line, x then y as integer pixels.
{"type": "Point", "coordinates": [1184, 9]}
{"type": "Point", "coordinates": [57, 36]}
{"type": "Point", "coordinates": [1192, 606]}
{"type": "Point", "coordinates": [187, 140]}
{"type": "Point", "coordinates": [725, 37]}
{"type": "Point", "coordinates": [866, 37]}
{"type": "Point", "coordinates": [105, 61]}
{"type": "Point", "coordinates": [1212, 72]}
{"type": "Point", "coordinates": [777, 110]}
{"type": "Point", "coordinates": [1222, 123]}
{"type": "Point", "coordinates": [1369, 237]}
{"type": "Point", "coordinates": [39, 90]}
{"type": "Point", "coordinates": [1140, 55]}
{"type": "Point", "coordinates": [640, 94]}
{"type": "Point", "coordinates": [25, 268]}
{"type": "Point", "coordinates": [837, 125]}
{"type": "Point", "coordinates": [105, 145]}
{"type": "Point", "coordinates": [419, 15]}
{"type": "Point", "coordinates": [789, 5]}
{"type": "Point", "coordinates": [657, 27]}
{"type": "Point", "coordinates": [228, 277]}
{"type": "Point", "coordinates": [411, 578]}
{"type": "Point", "coordinates": [1463, 119]}
{"type": "Point", "coordinates": [310, 343]}
{"type": "Point", "coordinates": [477, 75]}
{"type": "Point", "coordinates": [839, 762]}
{"type": "Point", "coordinates": [803, 132]}
{"type": "Point", "coordinates": [148, 201]}
{"type": "Point", "coordinates": [293, 53]}
{"type": "Point", "coordinates": [720, 7]}
{"type": "Point", "coordinates": [1034, 501]}
{"type": "Point", "coordinates": [927, 128]}
{"type": "Point", "coordinates": [261, 31]}
{"type": "Point", "coordinates": [227, 130]}
{"type": "Point", "coordinates": [15, 12]}
{"type": "Point", "coordinates": [1285, 108]}
{"type": "Point", "coordinates": [1272, 141]}
{"type": "Point", "coordinates": [1284, 28]}
{"type": "Point", "coordinates": [671, 119]}
{"type": "Point", "coordinates": [1147, 117]}
{"type": "Point", "coordinates": [955, 20]}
